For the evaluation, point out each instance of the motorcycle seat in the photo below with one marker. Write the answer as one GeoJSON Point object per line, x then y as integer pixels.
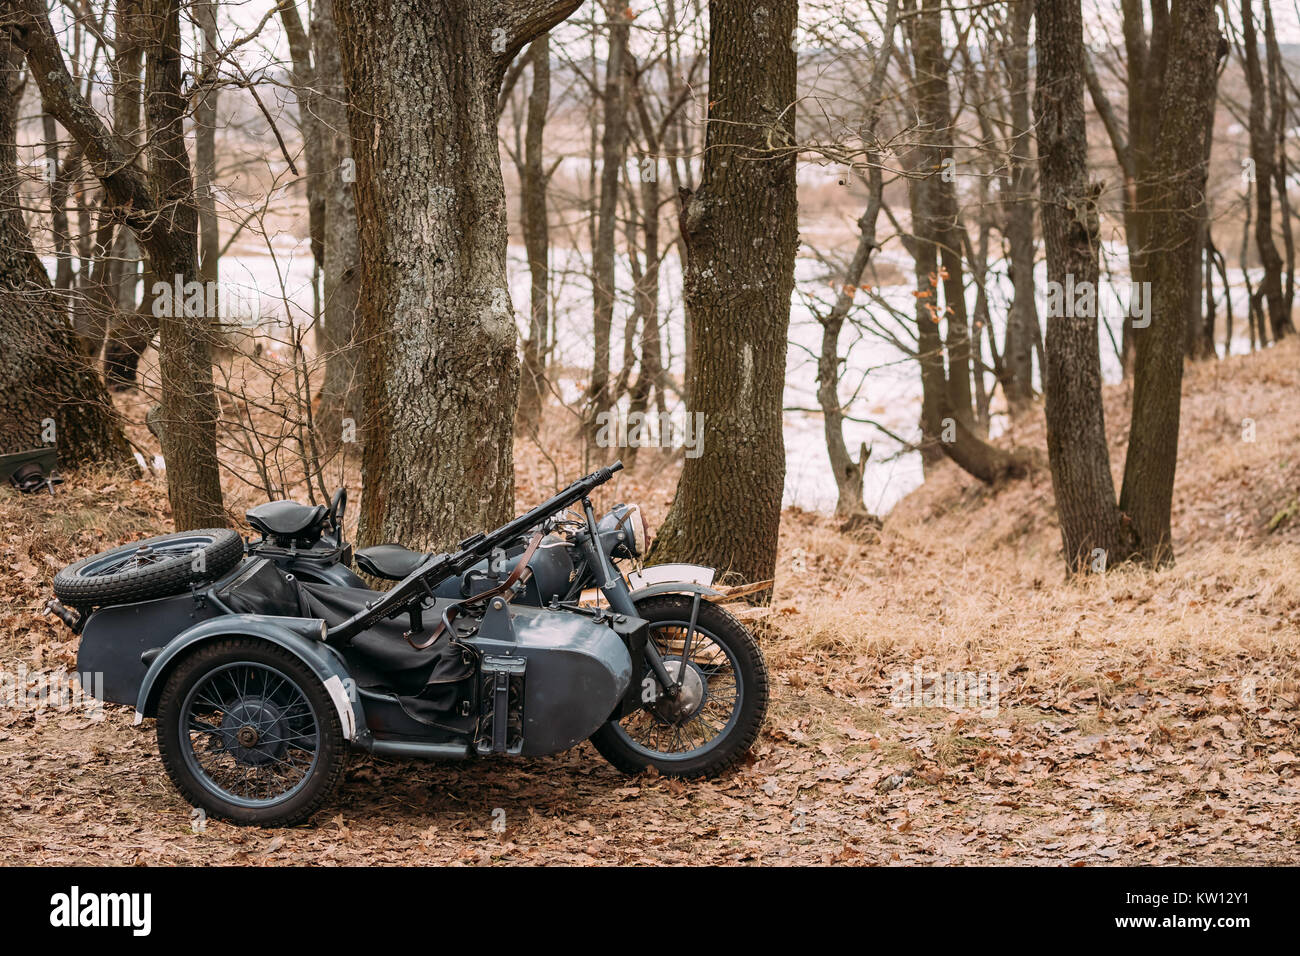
{"type": "Point", "coordinates": [285, 517]}
{"type": "Point", "coordinates": [390, 561]}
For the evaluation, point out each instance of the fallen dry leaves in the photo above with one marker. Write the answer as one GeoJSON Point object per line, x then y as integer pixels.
{"type": "Point", "coordinates": [1143, 718]}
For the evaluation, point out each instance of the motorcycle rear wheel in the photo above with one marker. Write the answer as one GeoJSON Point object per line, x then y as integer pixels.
{"type": "Point", "coordinates": [719, 714]}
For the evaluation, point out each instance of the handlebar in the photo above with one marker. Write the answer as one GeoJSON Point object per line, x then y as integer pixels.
{"type": "Point", "coordinates": [338, 506]}
{"type": "Point", "coordinates": [412, 589]}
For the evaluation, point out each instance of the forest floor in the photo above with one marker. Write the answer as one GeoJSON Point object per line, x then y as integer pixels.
{"type": "Point", "coordinates": [1138, 717]}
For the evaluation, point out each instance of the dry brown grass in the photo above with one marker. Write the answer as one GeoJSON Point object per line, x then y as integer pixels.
{"type": "Point", "coordinates": [962, 572]}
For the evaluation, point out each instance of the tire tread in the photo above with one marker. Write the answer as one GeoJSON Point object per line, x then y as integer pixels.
{"type": "Point", "coordinates": [155, 581]}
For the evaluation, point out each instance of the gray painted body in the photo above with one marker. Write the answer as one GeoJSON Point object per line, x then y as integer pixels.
{"type": "Point", "coordinates": [577, 669]}
{"type": "Point", "coordinates": [301, 636]}
{"type": "Point", "coordinates": [115, 637]}
{"type": "Point", "coordinates": [551, 677]}
{"type": "Point", "coordinates": [576, 672]}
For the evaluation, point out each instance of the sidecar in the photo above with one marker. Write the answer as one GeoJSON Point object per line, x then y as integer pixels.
{"type": "Point", "coordinates": [257, 704]}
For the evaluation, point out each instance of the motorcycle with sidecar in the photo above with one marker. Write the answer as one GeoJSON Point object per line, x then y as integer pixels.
{"type": "Point", "coordinates": [266, 662]}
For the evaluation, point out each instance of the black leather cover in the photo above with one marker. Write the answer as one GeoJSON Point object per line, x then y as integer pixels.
{"type": "Point", "coordinates": [377, 658]}
{"type": "Point", "coordinates": [285, 517]}
{"type": "Point", "coordinates": [388, 560]}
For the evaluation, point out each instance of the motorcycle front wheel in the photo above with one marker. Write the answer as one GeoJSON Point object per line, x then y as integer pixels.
{"type": "Point", "coordinates": [714, 720]}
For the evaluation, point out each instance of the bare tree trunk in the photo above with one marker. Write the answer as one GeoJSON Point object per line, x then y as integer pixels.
{"type": "Point", "coordinates": [650, 376]}
{"type": "Point", "coordinates": [129, 331]}
{"type": "Point", "coordinates": [1195, 335]}
{"type": "Point", "coordinates": [58, 211]}
{"type": "Point", "coordinates": [340, 395]}
{"type": "Point", "coordinates": [1188, 92]}
{"type": "Point", "coordinates": [1205, 346]}
{"type": "Point", "coordinates": [741, 231]}
{"type": "Point", "coordinates": [943, 225]}
{"type": "Point", "coordinates": [847, 472]}
{"type": "Point", "coordinates": [1022, 321]}
{"type": "Point", "coordinates": [205, 148]}
{"type": "Point", "coordinates": [1254, 320]}
{"type": "Point", "coordinates": [946, 413]}
{"type": "Point", "coordinates": [437, 331]}
{"type": "Point", "coordinates": [1076, 430]}
{"type": "Point", "coordinates": [632, 321]}
{"type": "Point", "coordinates": [45, 379]}
{"type": "Point", "coordinates": [613, 154]}
{"type": "Point", "coordinates": [536, 229]}
{"type": "Point", "coordinates": [1278, 81]}
{"type": "Point", "coordinates": [1219, 262]}
{"type": "Point", "coordinates": [103, 280]}
{"type": "Point", "coordinates": [309, 124]}
{"type": "Point", "coordinates": [1262, 148]}
{"type": "Point", "coordinates": [1125, 156]}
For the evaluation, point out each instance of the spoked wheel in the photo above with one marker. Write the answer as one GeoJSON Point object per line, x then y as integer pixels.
{"type": "Point", "coordinates": [154, 567]}
{"type": "Point", "coordinates": [248, 733]}
{"type": "Point", "coordinates": [716, 716]}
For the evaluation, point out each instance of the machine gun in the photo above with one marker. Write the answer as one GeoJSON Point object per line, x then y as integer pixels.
{"type": "Point", "coordinates": [409, 594]}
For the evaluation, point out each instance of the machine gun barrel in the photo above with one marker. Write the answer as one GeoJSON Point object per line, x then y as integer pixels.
{"type": "Point", "coordinates": [437, 568]}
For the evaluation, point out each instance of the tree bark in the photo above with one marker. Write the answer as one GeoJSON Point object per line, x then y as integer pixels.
{"type": "Point", "coordinates": [613, 154]}
{"type": "Point", "coordinates": [205, 147]}
{"type": "Point", "coordinates": [533, 217]}
{"type": "Point", "coordinates": [1262, 148]}
{"type": "Point", "coordinates": [1278, 82]}
{"type": "Point", "coordinates": [740, 230]}
{"type": "Point", "coordinates": [1022, 320]}
{"type": "Point", "coordinates": [436, 325]}
{"type": "Point", "coordinates": [44, 376]}
{"type": "Point", "coordinates": [304, 78]}
{"type": "Point", "coordinates": [1076, 428]}
{"type": "Point", "coordinates": [1199, 323]}
{"type": "Point", "coordinates": [848, 473]}
{"type": "Point", "coordinates": [129, 331]}
{"type": "Point", "coordinates": [946, 414]}
{"type": "Point", "coordinates": [942, 221]}
{"type": "Point", "coordinates": [1188, 94]}
{"type": "Point", "coordinates": [340, 396]}
{"type": "Point", "coordinates": [59, 215]}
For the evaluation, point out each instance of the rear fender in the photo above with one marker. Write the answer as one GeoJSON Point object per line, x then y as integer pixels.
{"type": "Point", "coordinates": [299, 636]}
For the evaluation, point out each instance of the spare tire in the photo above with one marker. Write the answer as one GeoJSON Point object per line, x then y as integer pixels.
{"type": "Point", "coordinates": [155, 567]}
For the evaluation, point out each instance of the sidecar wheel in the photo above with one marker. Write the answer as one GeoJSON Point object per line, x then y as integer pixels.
{"type": "Point", "coordinates": [152, 568]}
{"type": "Point", "coordinates": [249, 734]}
{"type": "Point", "coordinates": [720, 712]}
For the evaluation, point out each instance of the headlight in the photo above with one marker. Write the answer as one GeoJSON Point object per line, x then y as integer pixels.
{"type": "Point", "coordinates": [633, 522]}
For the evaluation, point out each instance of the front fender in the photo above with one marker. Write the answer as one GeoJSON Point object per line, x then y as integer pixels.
{"type": "Point", "coordinates": [673, 579]}
{"type": "Point", "coordinates": [300, 636]}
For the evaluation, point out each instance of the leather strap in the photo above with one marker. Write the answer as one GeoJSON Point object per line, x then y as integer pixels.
{"type": "Point", "coordinates": [520, 572]}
